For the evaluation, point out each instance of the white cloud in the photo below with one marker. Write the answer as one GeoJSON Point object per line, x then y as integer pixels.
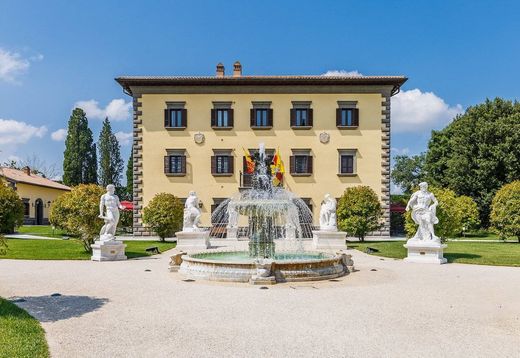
{"type": "Point", "coordinates": [15, 132]}
{"type": "Point", "coordinates": [400, 151]}
{"type": "Point", "coordinates": [342, 73]}
{"type": "Point", "coordinates": [116, 110]}
{"type": "Point", "coordinates": [12, 65]}
{"type": "Point", "coordinates": [416, 111]}
{"type": "Point", "coordinates": [59, 135]}
{"type": "Point", "coordinates": [124, 138]}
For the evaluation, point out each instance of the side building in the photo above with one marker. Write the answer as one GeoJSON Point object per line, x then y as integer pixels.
{"type": "Point", "coordinates": [37, 193]}
{"type": "Point", "coordinates": [190, 132]}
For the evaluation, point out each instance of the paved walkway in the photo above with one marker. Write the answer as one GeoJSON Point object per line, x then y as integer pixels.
{"type": "Point", "coordinates": [388, 308]}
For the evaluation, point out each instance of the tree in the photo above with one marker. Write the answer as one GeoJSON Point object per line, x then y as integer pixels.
{"type": "Point", "coordinates": [77, 213]}
{"type": "Point", "coordinates": [359, 211]}
{"type": "Point", "coordinates": [110, 162]}
{"type": "Point", "coordinates": [3, 245]}
{"type": "Point", "coordinates": [469, 213]}
{"type": "Point", "coordinates": [448, 212]}
{"type": "Point", "coordinates": [505, 211]}
{"type": "Point", "coordinates": [478, 152]}
{"type": "Point", "coordinates": [408, 172]}
{"type": "Point", "coordinates": [11, 209]}
{"type": "Point", "coordinates": [130, 176]}
{"type": "Point", "coordinates": [164, 215]}
{"type": "Point", "coordinates": [37, 166]}
{"type": "Point", "coordinates": [79, 157]}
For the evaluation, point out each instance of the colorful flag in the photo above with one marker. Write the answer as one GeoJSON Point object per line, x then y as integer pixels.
{"type": "Point", "coordinates": [277, 169]}
{"type": "Point", "coordinates": [250, 164]}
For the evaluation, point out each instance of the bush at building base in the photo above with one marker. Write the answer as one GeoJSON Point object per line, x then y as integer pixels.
{"type": "Point", "coordinates": [11, 209]}
{"type": "Point", "coordinates": [164, 215]}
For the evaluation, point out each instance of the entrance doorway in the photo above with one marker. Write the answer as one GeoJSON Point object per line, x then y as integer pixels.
{"type": "Point", "coordinates": [39, 211]}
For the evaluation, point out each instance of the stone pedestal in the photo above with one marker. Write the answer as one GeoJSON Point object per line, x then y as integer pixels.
{"type": "Point", "coordinates": [335, 240]}
{"type": "Point", "coordinates": [112, 250]}
{"type": "Point", "coordinates": [192, 240]}
{"type": "Point", "coordinates": [425, 252]}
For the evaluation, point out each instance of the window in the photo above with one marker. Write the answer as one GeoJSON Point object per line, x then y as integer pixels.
{"type": "Point", "coordinates": [301, 162]}
{"type": "Point", "coordinates": [347, 162]}
{"type": "Point", "coordinates": [301, 115]}
{"type": "Point", "coordinates": [261, 115]}
{"type": "Point", "coordinates": [347, 115]}
{"type": "Point", "coordinates": [26, 207]}
{"type": "Point", "coordinates": [222, 162]}
{"type": "Point", "coordinates": [175, 116]}
{"type": "Point", "coordinates": [222, 115]}
{"type": "Point", "coordinates": [175, 162]}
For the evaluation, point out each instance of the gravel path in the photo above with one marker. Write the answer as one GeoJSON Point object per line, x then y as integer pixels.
{"type": "Point", "coordinates": [386, 309]}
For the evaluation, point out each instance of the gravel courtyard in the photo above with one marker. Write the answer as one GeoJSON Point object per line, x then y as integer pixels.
{"type": "Point", "coordinates": [387, 308]}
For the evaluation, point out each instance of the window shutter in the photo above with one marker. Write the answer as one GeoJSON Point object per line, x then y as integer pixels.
{"type": "Point", "coordinates": [355, 117]}
{"type": "Point", "coordinates": [231, 161]}
{"type": "Point", "coordinates": [166, 164]}
{"type": "Point", "coordinates": [292, 164]}
{"type": "Point", "coordinates": [213, 118]}
{"type": "Point", "coordinates": [252, 117]}
{"type": "Point", "coordinates": [293, 117]}
{"type": "Point", "coordinates": [184, 114]}
{"type": "Point", "coordinates": [310, 116]}
{"type": "Point", "coordinates": [166, 118]}
{"type": "Point", "coordinates": [270, 117]}
{"type": "Point", "coordinates": [230, 117]}
{"type": "Point", "coordinates": [309, 164]}
{"type": "Point", "coordinates": [338, 117]}
{"type": "Point", "coordinates": [213, 164]}
{"type": "Point", "coordinates": [183, 164]}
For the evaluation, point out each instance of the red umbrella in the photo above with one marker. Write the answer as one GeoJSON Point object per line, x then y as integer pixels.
{"type": "Point", "coordinates": [128, 205]}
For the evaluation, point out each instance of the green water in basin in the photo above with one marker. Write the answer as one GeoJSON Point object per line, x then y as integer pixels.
{"type": "Point", "coordinates": [243, 256]}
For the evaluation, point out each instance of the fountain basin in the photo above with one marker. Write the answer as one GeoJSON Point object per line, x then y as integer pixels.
{"type": "Point", "coordinates": [237, 266]}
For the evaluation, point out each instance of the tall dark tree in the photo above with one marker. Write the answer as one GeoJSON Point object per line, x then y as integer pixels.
{"type": "Point", "coordinates": [478, 152]}
{"type": "Point", "coordinates": [130, 175]}
{"type": "Point", "coordinates": [79, 157]}
{"type": "Point", "coordinates": [110, 163]}
{"type": "Point", "coordinates": [408, 172]}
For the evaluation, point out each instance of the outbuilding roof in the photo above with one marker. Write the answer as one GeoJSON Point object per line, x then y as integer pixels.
{"type": "Point", "coordinates": [21, 176]}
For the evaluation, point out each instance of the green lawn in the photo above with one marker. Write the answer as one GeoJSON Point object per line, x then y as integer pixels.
{"type": "Point", "coordinates": [41, 230]}
{"type": "Point", "coordinates": [70, 249]}
{"type": "Point", "coordinates": [479, 253]}
{"type": "Point", "coordinates": [20, 334]}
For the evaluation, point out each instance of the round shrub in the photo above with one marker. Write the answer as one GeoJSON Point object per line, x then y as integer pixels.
{"type": "Point", "coordinates": [505, 211]}
{"type": "Point", "coordinates": [469, 214]}
{"type": "Point", "coordinates": [164, 215]}
{"type": "Point", "coordinates": [11, 209]}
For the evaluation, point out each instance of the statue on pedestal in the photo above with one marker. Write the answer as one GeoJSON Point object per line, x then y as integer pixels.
{"type": "Point", "coordinates": [191, 213]}
{"type": "Point", "coordinates": [109, 206]}
{"type": "Point", "coordinates": [328, 214]}
{"type": "Point", "coordinates": [424, 213]}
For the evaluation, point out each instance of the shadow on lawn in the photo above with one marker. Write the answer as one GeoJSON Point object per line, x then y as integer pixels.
{"type": "Point", "coordinates": [459, 255]}
{"type": "Point", "coordinates": [56, 307]}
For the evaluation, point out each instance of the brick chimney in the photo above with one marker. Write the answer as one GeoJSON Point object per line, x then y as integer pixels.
{"type": "Point", "coordinates": [220, 70]}
{"type": "Point", "coordinates": [237, 69]}
{"type": "Point", "coordinates": [27, 170]}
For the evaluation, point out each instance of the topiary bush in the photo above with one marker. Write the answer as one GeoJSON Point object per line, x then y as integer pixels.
{"type": "Point", "coordinates": [469, 211]}
{"type": "Point", "coordinates": [448, 212]}
{"type": "Point", "coordinates": [77, 213]}
{"type": "Point", "coordinates": [359, 211]}
{"type": "Point", "coordinates": [505, 211]}
{"type": "Point", "coordinates": [164, 215]}
{"type": "Point", "coordinates": [11, 209]}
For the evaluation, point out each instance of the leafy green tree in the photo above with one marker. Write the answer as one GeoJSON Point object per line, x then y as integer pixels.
{"type": "Point", "coordinates": [79, 157]}
{"type": "Point", "coordinates": [478, 152]}
{"type": "Point", "coordinates": [359, 211]}
{"type": "Point", "coordinates": [3, 245]}
{"type": "Point", "coordinates": [449, 214]}
{"type": "Point", "coordinates": [77, 213]}
{"type": "Point", "coordinates": [164, 215]}
{"type": "Point", "coordinates": [505, 211]}
{"type": "Point", "coordinates": [110, 162]}
{"type": "Point", "coordinates": [408, 172]}
{"type": "Point", "coordinates": [130, 176]}
{"type": "Point", "coordinates": [11, 209]}
{"type": "Point", "coordinates": [469, 211]}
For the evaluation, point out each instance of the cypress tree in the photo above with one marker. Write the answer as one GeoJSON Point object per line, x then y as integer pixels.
{"type": "Point", "coordinates": [79, 157]}
{"type": "Point", "coordinates": [110, 163]}
{"type": "Point", "coordinates": [130, 175]}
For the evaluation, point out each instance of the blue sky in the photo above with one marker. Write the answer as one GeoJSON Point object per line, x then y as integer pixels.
{"type": "Point", "coordinates": [54, 54]}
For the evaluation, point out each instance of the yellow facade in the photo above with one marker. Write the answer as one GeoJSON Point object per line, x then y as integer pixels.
{"type": "Point", "coordinates": [31, 193]}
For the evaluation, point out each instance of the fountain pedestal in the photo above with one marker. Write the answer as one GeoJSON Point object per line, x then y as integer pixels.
{"type": "Point", "coordinates": [110, 250]}
{"type": "Point", "coordinates": [322, 239]}
{"type": "Point", "coordinates": [420, 251]}
{"type": "Point", "coordinates": [192, 240]}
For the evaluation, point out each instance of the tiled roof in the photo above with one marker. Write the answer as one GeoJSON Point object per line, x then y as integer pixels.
{"type": "Point", "coordinates": [20, 176]}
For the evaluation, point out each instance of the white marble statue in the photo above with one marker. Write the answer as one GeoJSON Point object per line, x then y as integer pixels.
{"type": "Point", "coordinates": [109, 206]}
{"type": "Point", "coordinates": [232, 217]}
{"type": "Point", "coordinates": [424, 213]}
{"type": "Point", "coordinates": [191, 213]}
{"type": "Point", "coordinates": [328, 214]}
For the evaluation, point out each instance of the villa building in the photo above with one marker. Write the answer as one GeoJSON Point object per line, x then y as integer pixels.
{"type": "Point", "coordinates": [190, 133]}
{"type": "Point", "coordinates": [37, 193]}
